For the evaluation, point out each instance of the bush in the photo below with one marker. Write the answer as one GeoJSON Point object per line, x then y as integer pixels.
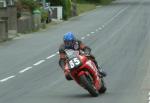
{"type": "Point", "coordinates": [44, 15]}
{"type": "Point", "coordinates": [66, 8]}
{"type": "Point", "coordinates": [55, 2]}
{"type": "Point", "coordinates": [29, 4]}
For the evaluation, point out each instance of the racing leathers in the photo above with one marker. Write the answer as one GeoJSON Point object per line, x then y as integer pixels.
{"type": "Point", "coordinates": [77, 45]}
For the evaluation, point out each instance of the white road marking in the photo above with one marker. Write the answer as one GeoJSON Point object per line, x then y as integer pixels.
{"type": "Point", "coordinates": [51, 56]}
{"type": "Point", "coordinates": [57, 52]}
{"type": "Point", "coordinates": [5, 79]}
{"type": "Point", "coordinates": [83, 38]}
{"type": "Point", "coordinates": [149, 93]}
{"type": "Point", "coordinates": [100, 28]}
{"type": "Point", "coordinates": [92, 32]}
{"type": "Point", "coordinates": [121, 11]}
{"type": "Point", "coordinates": [39, 62]}
{"type": "Point", "coordinates": [22, 71]}
{"type": "Point", "coordinates": [88, 35]}
{"type": "Point", "coordinates": [114, 34]}
{"type": "Point", "coordinates": [96, 29]}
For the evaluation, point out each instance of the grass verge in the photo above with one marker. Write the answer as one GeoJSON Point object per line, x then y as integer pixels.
{"type": "Point", "coordinates": [83, 7]}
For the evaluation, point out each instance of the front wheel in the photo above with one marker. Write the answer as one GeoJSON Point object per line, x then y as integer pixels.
{"type": "Point", "coordinates": [88, 85]}
{"type": "Point", "coordinates": [103, 88]}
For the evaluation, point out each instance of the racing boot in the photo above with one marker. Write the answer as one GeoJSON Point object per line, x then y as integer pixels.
{"type": "Point", "coordinates": [100, 70]}
{"type": "Point", "coordinates": [68, 77]}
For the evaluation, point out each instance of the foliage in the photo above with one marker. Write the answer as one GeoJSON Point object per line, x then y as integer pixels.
{"type": "Point", "coordinates": [29, 4]}
{"type": "Point", "coordinates": [44, 14]}
{"type": "Point", "coordinates": [55, 2]}
{"type": "Point", "coordinates": [66, 6]}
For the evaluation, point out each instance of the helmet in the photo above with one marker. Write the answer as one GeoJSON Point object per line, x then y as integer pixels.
{"type": "Point", "coordinates": [69, 40]}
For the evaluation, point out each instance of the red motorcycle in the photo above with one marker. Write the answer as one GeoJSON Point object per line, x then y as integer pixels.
{"type": "Point", "coordinates": [84, 72]}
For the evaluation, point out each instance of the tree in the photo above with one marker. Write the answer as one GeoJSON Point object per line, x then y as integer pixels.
{"type": "Point", "coordinates": [29, 4]}
{"type": "Point", "coordinates": [66, 4]}
{"type": "Point", "coordinates": [55, 2]}
{"type": "Point", "coordinates": [66, 8]}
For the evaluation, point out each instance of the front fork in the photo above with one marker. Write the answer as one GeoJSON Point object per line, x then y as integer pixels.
{"type": "Point", "coordinates": [95, 82]}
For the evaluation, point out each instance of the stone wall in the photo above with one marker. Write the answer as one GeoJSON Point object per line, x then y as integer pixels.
{"type": "Point", "coordinates": [10, 15]}
{"type": "Point", "coordinates": [3, 12]}
{"type": "Point", "coordinates": [12, 18]}
{"type": "Point", "coordinates": [3, 30]}
{"type": "Point", "coordinates": [25, 24]}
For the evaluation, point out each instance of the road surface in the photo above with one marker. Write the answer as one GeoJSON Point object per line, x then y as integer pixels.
{"type": "Point", "coordinates": [119, 36]}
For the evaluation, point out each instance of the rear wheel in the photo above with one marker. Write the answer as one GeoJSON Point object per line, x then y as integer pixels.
{"type": "Point", "coordinates": [87, 84]}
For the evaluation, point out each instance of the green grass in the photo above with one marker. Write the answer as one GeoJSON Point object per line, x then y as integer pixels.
{"type": "Point", "coordinates": [106, 2]}
{"type": "Point", "coordinates": [83, 7]}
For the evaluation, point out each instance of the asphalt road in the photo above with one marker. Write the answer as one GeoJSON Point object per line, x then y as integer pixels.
{"type": "Point", "coordinates": [119, 35]}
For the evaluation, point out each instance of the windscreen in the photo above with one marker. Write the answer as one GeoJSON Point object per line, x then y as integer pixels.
{"type": "Point", "coordinates": [71, 53]}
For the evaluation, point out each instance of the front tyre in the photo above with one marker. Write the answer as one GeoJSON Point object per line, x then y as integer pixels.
{"type": "Point", "coordinates": [87, 84]}
{"type": "Point", "coordinates": [103, 88]}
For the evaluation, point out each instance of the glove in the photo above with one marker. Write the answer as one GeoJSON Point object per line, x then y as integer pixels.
{"type": "Point", "coordinates": [62, 63]}
{"type": "Point", "coordinates": [87, 51]}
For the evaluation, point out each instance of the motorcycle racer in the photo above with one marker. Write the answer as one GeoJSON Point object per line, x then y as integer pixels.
{"type": "Point", "coordinates": [70, 42]}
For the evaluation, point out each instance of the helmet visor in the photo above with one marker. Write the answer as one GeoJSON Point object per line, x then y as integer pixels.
{"type": "Point", "coordinates": [69, 44]}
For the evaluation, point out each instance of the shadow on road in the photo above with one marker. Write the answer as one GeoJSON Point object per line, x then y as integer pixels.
{"type": "Point", "coordinates": [77, 96]}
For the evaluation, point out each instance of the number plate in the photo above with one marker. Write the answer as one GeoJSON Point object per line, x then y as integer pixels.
{"type": "Point", "coordinates": [74, 63]}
